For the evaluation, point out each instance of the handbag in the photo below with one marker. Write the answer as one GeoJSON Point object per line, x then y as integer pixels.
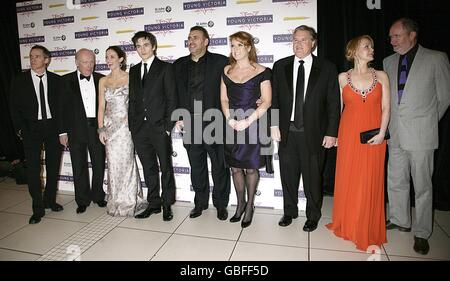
{"type": "Point", "coordinates": [367, 135]}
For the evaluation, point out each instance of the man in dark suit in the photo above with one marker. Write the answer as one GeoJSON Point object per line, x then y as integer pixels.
{"type": "Point", "coordinates": [198, 80]}
{"type": "Point", "coordinates": [36, 105]}
{"type": "Point", "coordinates": [153, 98]}
{"type": "Point", "coordinates": [306, 93]}
{"type": "Point", "coordinates": [80, 126]}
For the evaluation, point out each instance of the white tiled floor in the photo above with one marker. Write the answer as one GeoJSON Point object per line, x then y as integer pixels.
{"type": "Point", "coordinates": [183, 238]}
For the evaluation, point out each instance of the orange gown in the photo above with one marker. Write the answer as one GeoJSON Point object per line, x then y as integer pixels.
{"type": "Point", "coordinates": [358, 211]}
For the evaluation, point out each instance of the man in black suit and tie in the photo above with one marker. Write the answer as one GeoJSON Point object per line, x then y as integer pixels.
{"type": "Point", "coordinates": [80, 127]}
{"type": "Point", "coordinates": [153, 98]}
{"type": "Point", "coordinates": [306, 93]}
{"type": "Point", "coordinates": [198, 77]}
{"type": "Point", "coordinates": [36, 105]}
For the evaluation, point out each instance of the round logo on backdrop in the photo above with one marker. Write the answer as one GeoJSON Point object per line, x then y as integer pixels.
{"type": "Point", "coordinates": [32, 25]}
{"type": "Point", "coordinates": [255, 40]}
{"type": "Point", "coordinates": [174, 154]}
{"type": "Point", "coordinates": [96, 51]}
{"type": "Point", "coordinates": [168, 9]}
{"type": "Point", "coordinates": [258, 192]}
{"type": "Point", "coordinates": [210, 23]}
{"type": "Point", "coordinates": [63, 37]}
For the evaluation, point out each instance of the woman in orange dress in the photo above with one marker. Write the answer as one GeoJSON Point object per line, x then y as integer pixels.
{"type": "Point", "coordinates": [358, 212]}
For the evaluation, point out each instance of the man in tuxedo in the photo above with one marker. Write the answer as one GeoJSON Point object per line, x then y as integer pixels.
{"type": "Point", "coordinates": [306, 94]}
{"type": "Point", "coordinates": [420, 83]}
{"type": "Point", "coordinates": [198, 77]}
{"type": "Point", "coordinates": [153, 98]}
{"type": "Point", "coordinates": [80, 127]}
{"type": "Point", "coordinates": [36, 105]}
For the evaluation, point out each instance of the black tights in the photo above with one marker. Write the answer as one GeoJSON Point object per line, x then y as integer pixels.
{"type": "Point", "coordinates": [245, 178]}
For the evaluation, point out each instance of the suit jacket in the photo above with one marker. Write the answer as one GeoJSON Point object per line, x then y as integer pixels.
{"type": "Point", "coordinates": [321, 109]}
{"type": "Point", "coordinates": [426, 96]}
{"type": "Point", "coordinates": [75, 120]}
{"type": "Point", "coordinates": [24, 104]}
{"type": "Point", "coordinates": [215, 64]}
{"type": "Point", "coordinates": [156, 99]}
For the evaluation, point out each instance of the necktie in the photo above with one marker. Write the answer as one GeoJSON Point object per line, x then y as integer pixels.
{"type": "Point", "coordinates": [145, 74]}
{"type": "Point", "coordinates": [402, 79]}
{"type": "Point", "coordinates": [85, 77]}
{"type": "Point", "coordinates": [299, 90]}
{"type": "Point", "coordinates": [42, 98]}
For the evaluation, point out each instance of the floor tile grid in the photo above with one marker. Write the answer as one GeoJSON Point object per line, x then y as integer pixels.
{"type": "Point", "coordinates": [81, 241]}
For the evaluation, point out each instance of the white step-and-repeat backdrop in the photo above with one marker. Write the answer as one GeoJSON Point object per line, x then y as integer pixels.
{"type": "Point", "coordinates": [64, 26]}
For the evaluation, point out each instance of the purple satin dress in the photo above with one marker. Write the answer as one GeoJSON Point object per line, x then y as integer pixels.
{"type": "Point", "coordinates": [242, 150]}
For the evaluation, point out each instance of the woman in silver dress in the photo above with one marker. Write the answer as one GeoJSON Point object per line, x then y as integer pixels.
{"type": "Point", "coordinates": [124, 194]}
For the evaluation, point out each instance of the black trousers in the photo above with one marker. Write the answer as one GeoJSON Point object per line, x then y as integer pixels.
{"type": "Point", "coordinates": [39, 134]}
{"type": "Point", "coordinates": [84, 194]}
{"type": "Point", "coordinates": [152, 144]}
{"type": "Point", "coordinates": [295, 161]}
{"type": "Point", "coordinates": [197, 154]}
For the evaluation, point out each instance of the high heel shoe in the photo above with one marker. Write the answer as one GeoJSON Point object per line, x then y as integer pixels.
{"type": "Point", "coordinates": [244, 223]}
{"type": "Point", "coordinates": [237, 217]}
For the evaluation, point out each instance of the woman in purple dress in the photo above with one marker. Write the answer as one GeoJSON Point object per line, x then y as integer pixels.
{"type": "Point", "coordinates": [244, 81]}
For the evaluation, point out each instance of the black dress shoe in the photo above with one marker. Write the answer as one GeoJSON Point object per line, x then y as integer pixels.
{"type": "Point", "coordinates": [81, 209]}
{"type": "Point", "coordinates": [196, 212]}
{"type": "Point", "coordinates": [222, 214]}
{"type": "Point", "coordinates": [310, 226]}
{"type": "Point", "coordinates": [286, 220]}
{"type": "Point", "coordinates": [390, 225]}
{"type": "Point", "coordinates": [148, 212]}
{"type": "Point", "coordinates": [167, 213]}
{"type": "Point", "coordinates": [101, 203]}
{"type": "Point", "coordinates": [54, 206]}
{"type": "Point", "coordinates": [34, 219]}
{"type": "Point", "coordinates": [248, 222]}
{"type": "Point", "coordinates": [421, 245]}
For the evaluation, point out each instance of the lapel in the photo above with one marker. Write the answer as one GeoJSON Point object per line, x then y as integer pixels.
{"type": "Point", "coordinates": [96, 81]}
{"type": "Point", "coordinates": [152, 72]}
{"type": "Point", "coordinates": [30, 88]}
{"type": "Point", "coordinates": [417, 62]}
{"type": "Point", "coordinates": [393, 74]}
{"type": "Point", "coordinates": [313, 78]}
{"type": "Point", "coordinates": [77, 92]}
{"type": "Point", "coordinates": [135, 75]}
{"type": "Point", "coordinates": [288, 69]}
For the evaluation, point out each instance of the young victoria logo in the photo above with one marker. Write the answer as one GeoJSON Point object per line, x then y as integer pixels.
{"type": "Point", "coordinates": [125, 13]}
{"type": "Point", "coordinates": [28, 8]}
{"type": "Point", "coordinates": [59, 21]}
{"type": "Point", "coordinates": [31, 39]}
{"type": "Point", "coordinates": [62, 53]}
{"type": "Point", "coordinates": [164, 27]}
{"type": "Point", "coordinates": [204, 6]}
{"type": "Point", "coordinates": [249, 20]}
{"type": "Point", "coordinates": [91, 33]}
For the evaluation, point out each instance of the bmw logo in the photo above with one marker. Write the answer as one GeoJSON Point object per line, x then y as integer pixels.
{"type": "Point", "coordinates": [32, 25]}
{"type": "Point", "coordinates": [255, 40]}
{"type": "Point", "coordinates": [258, 193]}
{"type": "Point", "coordinates": [174, 154]}
{"type": "Point", "coordinates": [63, 37]}
{"type": "Point", "coordinates": [210, 23]}
{"type": "Point", "coordinates": [96, 51]}
{"type": "Point", "coordinates": [168, 9]}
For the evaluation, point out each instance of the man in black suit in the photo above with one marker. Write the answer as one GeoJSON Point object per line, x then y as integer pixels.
{"type": "Point", "coordinates": [306, 93]}
{"type": "Point", "coordinates": [153, 98]}
{"type": "Point", "coordinates": [198, 80]}
{"type": "Point", "coordinates": [36, 105]}
{"type": "Point", "coordinates": [80, 127]}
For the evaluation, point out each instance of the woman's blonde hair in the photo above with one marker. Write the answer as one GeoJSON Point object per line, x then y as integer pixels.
{"type": "Point", "coordinates": [353, 45]}
{"type": "Point", "coordinates": [246, 39]}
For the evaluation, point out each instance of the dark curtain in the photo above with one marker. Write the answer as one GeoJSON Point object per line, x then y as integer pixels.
{"type": "Point", "coordinates": [10, 145]}
{"type": "Point", "coordinates": [341, 20]}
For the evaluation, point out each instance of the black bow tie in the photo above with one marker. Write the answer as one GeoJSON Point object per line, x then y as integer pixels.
{"type": "Point", "coordinates": [85, 77]}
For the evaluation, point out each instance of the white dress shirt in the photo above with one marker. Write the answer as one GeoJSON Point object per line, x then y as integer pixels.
{"type": "Point", "coordinates": [87, 89]}
{"type": "Point", "coordinates": [149, 63]}
{"type": "Point", "coordinates": [308, 60]}
{"type": "Point", "coordinates": [36, 81]}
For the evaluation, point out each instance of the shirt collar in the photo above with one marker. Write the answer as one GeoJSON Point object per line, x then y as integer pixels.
{"type": "Point", "coordinates": [149, 61]}
{"type": "Point", "coordinates": [33, 73]}
{"type": "Point", "coordinates": [308, 59]}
